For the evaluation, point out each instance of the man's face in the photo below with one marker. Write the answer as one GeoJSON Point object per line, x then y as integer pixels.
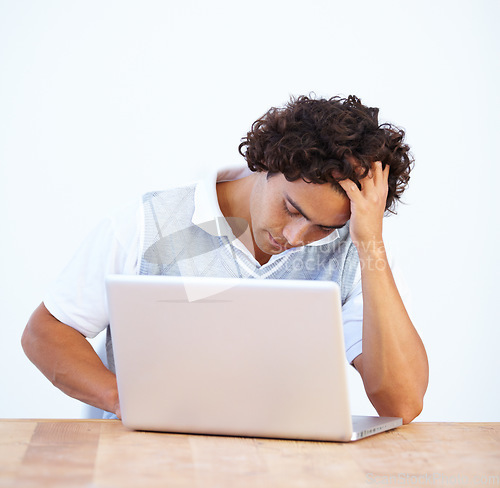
{"type": "Point", "coordinates": [288, 214]}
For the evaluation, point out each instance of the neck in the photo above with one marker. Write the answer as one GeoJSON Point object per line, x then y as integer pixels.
{"type": "Point", "coordinates": [234, 202]}
{"type": "Point", "coordinates": [234, 198]}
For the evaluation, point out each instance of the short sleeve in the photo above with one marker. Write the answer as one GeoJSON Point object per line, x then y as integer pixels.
{"type": "Point", "coordinates": [78, 296]}
{"type": "Point", "coordinates": [352, 317]}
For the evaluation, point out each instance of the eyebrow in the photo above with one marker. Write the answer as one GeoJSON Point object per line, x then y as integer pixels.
{"type": "Point", "coordinates": [296, 206]}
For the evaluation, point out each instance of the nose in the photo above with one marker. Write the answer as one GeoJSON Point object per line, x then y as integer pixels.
{"type": "Point", "coordinates": [295, 232]}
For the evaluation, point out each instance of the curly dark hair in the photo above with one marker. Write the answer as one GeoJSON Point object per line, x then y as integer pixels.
{"type": "Point", "coordinates": [325, 141]}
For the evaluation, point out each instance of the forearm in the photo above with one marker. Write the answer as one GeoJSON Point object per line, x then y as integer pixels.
{"type": "Point", "coordinates": [394, 361]}
{"type": "Point", "coordinates": [69, 361]}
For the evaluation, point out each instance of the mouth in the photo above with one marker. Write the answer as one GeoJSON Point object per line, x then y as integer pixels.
{"type": "Point", "coordinates": [276, 244]}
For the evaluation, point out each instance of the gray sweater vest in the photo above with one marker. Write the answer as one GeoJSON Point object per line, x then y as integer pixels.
{"type": "Point", "coordinates": [174, 246]}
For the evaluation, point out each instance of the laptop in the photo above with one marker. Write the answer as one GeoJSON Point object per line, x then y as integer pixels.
{"type": "Point", "coordinates": [233, 357]}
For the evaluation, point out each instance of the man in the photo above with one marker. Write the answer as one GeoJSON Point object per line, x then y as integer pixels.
{"type": "Point", "coordinates": [322, 173]}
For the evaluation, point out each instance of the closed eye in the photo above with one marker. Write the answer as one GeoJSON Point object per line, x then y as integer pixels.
{"type": "Point", "coordinates": [289, 211]}
{"type": "Point", "coordinates": [295, 211]}
{"type": "Point", "coordinates": [327, 230]}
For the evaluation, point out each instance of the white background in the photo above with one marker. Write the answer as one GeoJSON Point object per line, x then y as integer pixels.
{"type": "Point", "coordinates": [103, 100]}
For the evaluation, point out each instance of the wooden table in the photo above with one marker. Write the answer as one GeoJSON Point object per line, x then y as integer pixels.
{"type": "Point", "coordinates": [95, 453]}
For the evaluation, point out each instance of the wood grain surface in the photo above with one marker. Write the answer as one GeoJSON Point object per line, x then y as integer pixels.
{"type": "Point", "coordinates": [102, 453]}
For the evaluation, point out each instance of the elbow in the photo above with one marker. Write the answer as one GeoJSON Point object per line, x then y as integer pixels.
{"type": "Point", "coordinates": [407, 407]}
{"type": "Point", "coordinates": [35, 333]}
{"type": "Point", "coordinates": [27, 342]}
{"type": "Point", "coordinates": [31, 344]}
{"type": "Point", "coordinates": [34, 346]}
{"type": "Point", "coordinates": [33, 337]}
{"type": "Point", "coordinates": [406, 411]}
{"type": "Point", "coordinates": [404, 399]}
{"type": "Point", "coordinates": [410, 413]}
